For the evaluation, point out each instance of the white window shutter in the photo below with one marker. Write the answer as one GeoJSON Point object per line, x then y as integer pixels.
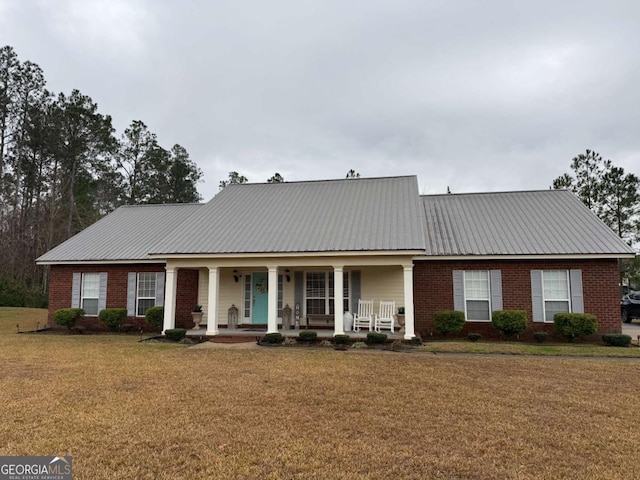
{"type": "Point", "coordinates": [160, 289]}
{"type": "Point", "coordinates": [537, 302]}
{"type": "Point", "coordinates": [458, 290]}
{"type": "Point", "coordinates": [131, 294]}
{"type": "Point", "coordinates": [102, 292]}
{"type": "Point", "coordinates": [75, 290]}
{"type": "Point", "coordinates": [495, 280]}
{"type": "Point", "coordinates": [577, 297]}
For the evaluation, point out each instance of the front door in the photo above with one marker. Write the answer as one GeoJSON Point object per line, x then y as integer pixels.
{"type": "Point", "coordinates": [260, 289]}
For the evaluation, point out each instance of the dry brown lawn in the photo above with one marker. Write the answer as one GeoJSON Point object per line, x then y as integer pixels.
{"type": "Point", "coordinates": [126, 410]}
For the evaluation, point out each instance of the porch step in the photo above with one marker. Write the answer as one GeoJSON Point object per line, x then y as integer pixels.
{"type": "Point", "coordinates": [233, 338]}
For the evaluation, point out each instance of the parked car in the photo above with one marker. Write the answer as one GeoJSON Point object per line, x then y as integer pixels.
{"type": "Point", "coordinates": [630, 306]}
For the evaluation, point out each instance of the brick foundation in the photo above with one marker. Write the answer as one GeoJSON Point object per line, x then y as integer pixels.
{"type": "Point", "coordinates": [433, 291]}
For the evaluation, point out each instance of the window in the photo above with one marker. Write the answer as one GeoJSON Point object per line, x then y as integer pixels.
{"type": "Point", "coordinates": [280, 295]}
{"type": "Point", "coordinates": [320, 293]}
{"type": "Point", "coordinates": [90, 293]}
{"type": "Point", "coordinates": [477, 295]}
{"type": "Point", "coordinates": [247, 296]}
{"type": "Point", "coordinates": [146, 292]}
{"type": "Point", "coordinates": [556, 293]}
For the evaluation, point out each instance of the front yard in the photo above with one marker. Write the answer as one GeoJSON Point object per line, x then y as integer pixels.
{"type": "Point", "coordinates": [128, 410]}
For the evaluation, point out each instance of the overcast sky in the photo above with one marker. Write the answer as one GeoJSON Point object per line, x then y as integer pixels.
{"type": "Point", "coordinates": [475, 95]}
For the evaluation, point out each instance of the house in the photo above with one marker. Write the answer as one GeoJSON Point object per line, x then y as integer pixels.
{"type": "Point", "coordinates": [262, 247]}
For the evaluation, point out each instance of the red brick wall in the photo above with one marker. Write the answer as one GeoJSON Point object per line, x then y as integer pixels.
{"type": "Point", "coordinates": [186, 297]}
{"type": "Point", "coordinates": [61, 279]}
{"type": "Point", "coordinates": [433, 291]}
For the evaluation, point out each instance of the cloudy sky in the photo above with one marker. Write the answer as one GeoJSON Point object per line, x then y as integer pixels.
{"type": "Point", "coordinates": [479, 96]}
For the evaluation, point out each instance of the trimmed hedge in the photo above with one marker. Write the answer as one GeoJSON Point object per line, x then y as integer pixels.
{"type": "Point", "coordinates": [540, 337]}
{"type": "Point", "coordinates": [275, 338]}
{"type": "Point", "coordinates": [375, 338]}
{"type": "Point", "coordinates": [307, 336]}
{"type": "Point", "coordinates": [447, 321]}
{"type": "Point", "coordinates": [617, 339]}
{"type": "Point", "coordinates": [175, 334]}
{"type": "Point", "coordinates": [68, 317]}
{"type": "Point", "coordinates": [112, 317]}
{"type": "Point", "coordinates": [341, 339]}
{"type": "Point", "coordinates": [474, 337]}
{"type": "Point", "coordinates": [155, 317]}
{"type": "Point", "coordinates": [575, 325]}
{"type": "Point", "coordinates": [509, 322]}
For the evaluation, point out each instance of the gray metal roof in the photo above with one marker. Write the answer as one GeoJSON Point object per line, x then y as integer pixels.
{"type": "Point", "coordinates": [547, 222]}
{"type": "Point", "coordinates": [365, 214]}
{"type": "Point", "coordinates": [128, 233]}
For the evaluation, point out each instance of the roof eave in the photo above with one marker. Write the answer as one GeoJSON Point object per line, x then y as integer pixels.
{"type": "Point", "coordinates": [544, 256]}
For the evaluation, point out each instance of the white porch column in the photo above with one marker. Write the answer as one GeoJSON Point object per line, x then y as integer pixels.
{"type": "Point", "coordinates": [170, 285]}
{"type": "Point", "coordinates": [409, 331]}
{"type": "Point", "coordinates": [272, 301]}
{"type": "Point", "coordinates": [338, 303]}
{"type": "Point", "coordinates": [212, 305]}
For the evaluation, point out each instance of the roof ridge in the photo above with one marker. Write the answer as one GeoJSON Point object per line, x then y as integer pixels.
{"type": "Point", "coordinates": [191, 204]}
{"type": "Point", "coordinates": [326, 180]}
{"type": "Point", "coordinates": [503, 192]}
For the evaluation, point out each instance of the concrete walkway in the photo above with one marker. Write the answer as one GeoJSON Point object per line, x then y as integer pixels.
{"type": "Point", "coordinates": [632, 328]}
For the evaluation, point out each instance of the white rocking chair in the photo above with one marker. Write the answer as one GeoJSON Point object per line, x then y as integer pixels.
{"type": "Point", "coordinates": [386, 316]}
{"type": "Point", "coordinates": [364, 317]}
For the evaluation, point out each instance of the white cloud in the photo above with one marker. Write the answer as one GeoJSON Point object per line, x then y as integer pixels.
{"type": "Point", "coordinates": [103, 27]}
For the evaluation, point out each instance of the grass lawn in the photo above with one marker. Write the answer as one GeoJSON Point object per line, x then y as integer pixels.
{"type": "Point", "coordinates": [126, 410]}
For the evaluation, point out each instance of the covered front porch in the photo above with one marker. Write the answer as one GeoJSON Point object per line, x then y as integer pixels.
{"type": "Point", "coordinates": [249, 296]}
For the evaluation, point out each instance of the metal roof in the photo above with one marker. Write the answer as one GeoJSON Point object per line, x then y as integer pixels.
{"type": "Point", "coordinates": [128, 233]}
{"type": "Point", "coordinates": [365, 214]}
{"type": "Point", "coordinates": [547, 222]}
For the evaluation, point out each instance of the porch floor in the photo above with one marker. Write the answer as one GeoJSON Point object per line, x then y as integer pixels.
{"type": "Point", "coordinates": [292, 333]}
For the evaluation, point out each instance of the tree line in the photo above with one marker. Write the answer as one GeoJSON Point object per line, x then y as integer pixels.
{"type": "Point", "coordinates": [612, 194]}
{"type": "Point", "coordinates": [62, 167]}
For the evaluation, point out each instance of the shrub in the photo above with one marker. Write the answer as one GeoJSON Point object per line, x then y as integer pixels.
{"type": "Point", "coordinates": [307, 336]}
{"type": "Point", "coordinates": [68, 317]}
{"type": "Point", "coordinates": [112, 317]}
{"type": "Point", "coordinates": [341, 339]}
{"type": "Point", "coordinates": [447, 321]}
{"type": "Point", "coordinates": [375, 338]}
{"type": "Point", "coordinates": [572, 325]}
{"type": "Point", "coordinates": [175, 334]}
{"type": "Point", "coordinates": [274, 338]}
{"type": "Point", "coordinates": [155, 317]}
{"type": "Point", "coordinates": [474, 337]}
{"type": "Point", "coordinates": [416, 341]}
{"type": "Point", "coordinates": [617, 339]}
{"type": "Point", "coordinates": [358, 345]}
{"type": "Point", "coordinates": [509, 322]}
{"type": "Point", "coordinates": [540, 337]}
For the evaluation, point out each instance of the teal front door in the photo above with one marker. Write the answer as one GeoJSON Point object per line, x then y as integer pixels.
{"type": "Point", "coordinates": [260, 289]}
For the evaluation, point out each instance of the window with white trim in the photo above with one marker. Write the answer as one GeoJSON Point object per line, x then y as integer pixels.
{"type": "Point", "coordinates": [145, 292]}
{"type": "Point", "coordinates": [320, 293]}
{"type": "Point", "coordinates": [90, 293]}
{"type": "Point", "coordinates": [477, 295]}
{"type": "Point", "coordinates": [556, 293]}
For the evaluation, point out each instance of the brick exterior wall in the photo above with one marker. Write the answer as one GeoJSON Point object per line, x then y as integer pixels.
{"type": "Point", "coordinates": [433, 291]}
{"type": "Point", "coordinates": [61, 280]}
